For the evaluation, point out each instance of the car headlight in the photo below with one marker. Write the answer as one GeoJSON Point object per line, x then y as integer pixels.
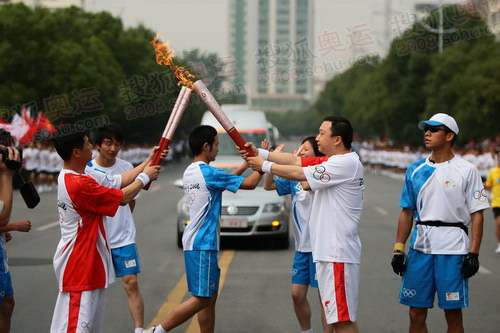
{"type": "Point", "coordinates": [273, 208]}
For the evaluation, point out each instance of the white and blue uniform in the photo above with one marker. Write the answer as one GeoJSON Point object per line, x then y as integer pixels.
{"type": "Point", "coordinates": [447, 192]}
{"type": "Point", "coordinates": [303, 269]}
{"type": "Point", "coordinates": [203, 187]}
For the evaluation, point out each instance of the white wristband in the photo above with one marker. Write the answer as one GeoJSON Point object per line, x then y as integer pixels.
{"type": "Point", "coordinates": [266, 167]}
{"type": "Point", "coordinates": [264, 153]}
{"type": "Point", "coordinates": [143, 178]}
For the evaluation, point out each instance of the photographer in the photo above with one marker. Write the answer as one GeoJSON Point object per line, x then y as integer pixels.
{"type": "Point", "coordinates": [10, 161]}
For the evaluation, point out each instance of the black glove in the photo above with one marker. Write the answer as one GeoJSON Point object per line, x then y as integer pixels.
{"type": "Point", "coordinates": [471, 265]}
{"type": "Point", "coordinates": [398, 262]}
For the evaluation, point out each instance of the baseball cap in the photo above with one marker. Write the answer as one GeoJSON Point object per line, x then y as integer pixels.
{"type": "Point", "coordinates": [440, 119]}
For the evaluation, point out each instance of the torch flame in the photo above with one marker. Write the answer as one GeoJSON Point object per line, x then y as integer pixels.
{"type": "Point", "coordinates": [164, 56]}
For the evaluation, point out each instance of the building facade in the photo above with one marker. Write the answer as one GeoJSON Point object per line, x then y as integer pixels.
{"type": "Point", "coordinates": [272, 42]}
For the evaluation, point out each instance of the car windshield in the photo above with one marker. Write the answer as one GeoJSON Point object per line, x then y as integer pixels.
{"type": "Point", "coordinates": [227, 146]}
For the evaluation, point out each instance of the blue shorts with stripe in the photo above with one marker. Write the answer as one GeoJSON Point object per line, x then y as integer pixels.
{"type": "Point", "coordinates": [5, 286]}
{"type": "Point", "coordinates": [428, 274]}
{"type": "Point", "coordinates": [202, 272]}
{"type": "Point", "coordinates": [304, 269]}
{"type": "Point", "coordinates": [126, 260]}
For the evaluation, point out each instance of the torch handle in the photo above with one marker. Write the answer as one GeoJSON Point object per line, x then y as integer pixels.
{"type": "Point", "coordinates": [240, 142]}
{"type": "Point", "coordinates": [164, 142]}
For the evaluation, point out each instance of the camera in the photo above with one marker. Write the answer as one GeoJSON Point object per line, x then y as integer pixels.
{"type": "Point", "coordinates": [28, 191]}
{"type": "Point", "coordinates": [13, 165]}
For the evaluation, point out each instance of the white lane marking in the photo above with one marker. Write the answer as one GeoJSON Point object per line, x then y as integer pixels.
{"type": "Point", "coordinates": [155, 188]}
{"type": "Point", "coordinates": [484, 270]}
{"type": "Point", "coordinates": [47, 226]}
{"type": "Point", "coordinates": [381, 210]}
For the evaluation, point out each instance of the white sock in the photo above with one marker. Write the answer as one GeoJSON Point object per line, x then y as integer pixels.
{"type": "Point", "coordinates": [159, 329]}
{"type": "Point", "coordinates": [139, 330]}
{"type": "Point", "coordinates": [308, 331]}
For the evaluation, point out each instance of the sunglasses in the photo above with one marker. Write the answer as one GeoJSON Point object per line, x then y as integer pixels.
{"type": "Point", "coordinates": [433, 129]}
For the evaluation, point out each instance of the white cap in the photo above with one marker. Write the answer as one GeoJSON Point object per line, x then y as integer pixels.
{"type": "Point", "coordinates": [440, 119]}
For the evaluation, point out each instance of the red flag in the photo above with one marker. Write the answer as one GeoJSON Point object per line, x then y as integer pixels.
{"type": "Point", "coordinates": [44, 123]}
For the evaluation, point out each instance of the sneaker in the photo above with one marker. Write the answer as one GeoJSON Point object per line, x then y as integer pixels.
{"type": "Point", "coordinates": [150, 330]}
{"type": "Point", "coordinates": [498, 249]}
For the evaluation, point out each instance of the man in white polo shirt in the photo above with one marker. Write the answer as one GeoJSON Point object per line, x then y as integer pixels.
{"type": "Point", "coordinates": [445, 195]}
{"type": "Point", "coordinates": [337, 182]}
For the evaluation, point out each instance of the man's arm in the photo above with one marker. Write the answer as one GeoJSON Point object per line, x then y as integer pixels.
{"type": "Point", "coordinates": [23, 226]}
{"type": "Point", "coordinates": [291, 172]}
{"type": "Point", "coordinates": [6, 197]}
{"type": "Point", "coordinates": [129, 176]}
{"type": "Point", "coordinates": [130, 191]}
{"type": "Point", "coordinates": [477, 220]}
{"type": "Point", "coordinates": [404, 225]}
{"type": "Point", "coordinates": [269, 184]}
{"type": "Point", "coordinates": [239, 171]}
{"type": "Point", "coordinates": [251, 181]}
{"type": "Point", "coordinates": [277, 157]}
{"type": "Point", "coordinates": [6, 186]}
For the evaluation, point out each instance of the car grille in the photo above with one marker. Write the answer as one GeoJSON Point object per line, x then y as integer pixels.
{"type": "Point", "coordinates": [242, 210]}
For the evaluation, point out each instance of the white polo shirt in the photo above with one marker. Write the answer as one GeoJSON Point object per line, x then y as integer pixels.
{"type": "Point", "coordinates": [336, 209]}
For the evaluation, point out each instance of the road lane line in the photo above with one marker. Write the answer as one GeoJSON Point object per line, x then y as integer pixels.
{"type": "Point", "coordinates": [381, 210]}
{"type": "Point", "coordinates": [173, 299]}
{"type": "Point", "coordinates": [484, 270]}
{"type": "Point", "coordinates": [224, 262]}
{"type": "Point", "coordinates": [47, 226]}
{"type": "Point", "coordinates": [155, 188]}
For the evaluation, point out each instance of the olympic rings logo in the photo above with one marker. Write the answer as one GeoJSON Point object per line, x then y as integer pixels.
{"type": "Point", "coordinates": [480, 195]}
{"type": "Point", "coordinates": [409, 292]}
{"type": "Point", "coordinates": [319, 173]}
{"type": "Point", "coordinates": [86, 325]}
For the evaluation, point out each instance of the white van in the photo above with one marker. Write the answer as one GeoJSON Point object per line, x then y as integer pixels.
{"type": "Point", "coordinates": [252, 213]}
{"type": "Point", "coordinates": [252, 126]}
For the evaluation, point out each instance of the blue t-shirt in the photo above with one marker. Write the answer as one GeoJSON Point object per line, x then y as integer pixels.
{"type": "Point", "coordinates": [203, 187]}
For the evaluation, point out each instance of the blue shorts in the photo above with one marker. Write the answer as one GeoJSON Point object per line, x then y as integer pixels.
{"type": "Point", "coordinates": [304, 269]}
{"type": "Point", "coordinates": [5, 286]}
{"type": "Point", "coordinates": [202, 272]}
{"type": "Point", "coordinates": [126, 260]}
{"type": "Point", "coordinates": [427, 274]}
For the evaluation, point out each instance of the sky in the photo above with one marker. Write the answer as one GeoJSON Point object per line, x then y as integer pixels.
{"type": "Point", "coordinates": [204, 24]}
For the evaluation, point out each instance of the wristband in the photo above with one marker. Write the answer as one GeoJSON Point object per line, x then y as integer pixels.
{"type": "Point", "coordinates": [143, 178]}
{"type": "Point", "coordinates": [266, 166]}
{"type": "Point", "coordinates": [264, 153]}
{"type": "Point", "coordinates": [399, 247]}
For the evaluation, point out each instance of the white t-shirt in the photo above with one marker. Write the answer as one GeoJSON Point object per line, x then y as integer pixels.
{"type": "Point", "coordinates": [336, 208]}
{"type": "Point", "coordinates": [446, 192]}
{"type": "Point", "coordinates": [119, 228]}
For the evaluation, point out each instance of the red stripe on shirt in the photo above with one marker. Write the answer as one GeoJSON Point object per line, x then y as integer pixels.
{"type": "Point", "coordinates": [307, 161]}
{"type": "Point", "coordinates": [340, 295]}
{"type": "Point", "coordinates": [75, 299]}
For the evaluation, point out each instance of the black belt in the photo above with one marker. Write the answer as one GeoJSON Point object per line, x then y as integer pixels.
{"type": "Point", "coordinates": [445, 224]}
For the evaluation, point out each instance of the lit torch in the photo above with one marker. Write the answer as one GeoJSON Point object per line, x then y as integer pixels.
{"type": "Point", "coordinates": [164, 56]}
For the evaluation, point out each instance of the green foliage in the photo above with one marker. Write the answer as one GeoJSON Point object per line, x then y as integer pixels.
{"type": "Point", "coordinates": [387, 97]}
{"type": "Point", "coordinates": [46, 53]}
